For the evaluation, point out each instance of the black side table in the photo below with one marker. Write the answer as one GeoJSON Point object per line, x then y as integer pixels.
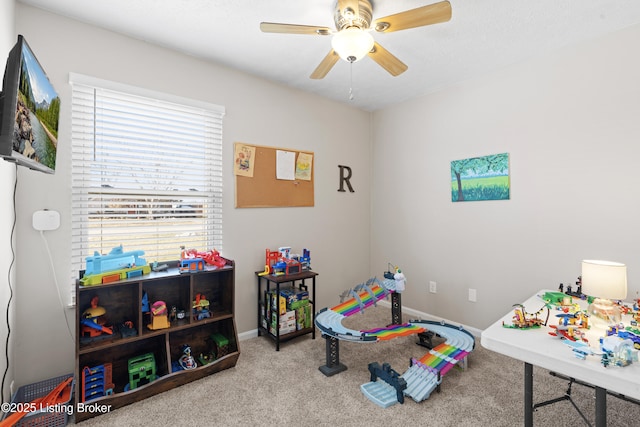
{"type": "Point", "coordinates": [268, 282]}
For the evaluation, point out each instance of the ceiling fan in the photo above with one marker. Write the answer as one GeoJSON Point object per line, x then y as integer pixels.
{"type": "Point", "coordinates": [352, 38]}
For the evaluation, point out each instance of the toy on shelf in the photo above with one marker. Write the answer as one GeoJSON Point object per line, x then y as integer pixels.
{"type": "Point", "coordinates": [159, 316]}
{"type": "Point", "coordinates": [206, 358]}
{"type": "Point", "coordinates": [192, 261]}
{"type": "Point", "coordinates": [186, 360]}
{"type": "Point", "coordinates": [191, 265]}
{"type": "Point", "coordinates": [127, 329]}
{"type": "Point", "coordinates": [117, 265]}
{"type": "Point", "coordinates": [282, 262]}
{"type": "Point", "coordinates": [200, 308]}
{"type": "Point", "coordinates": [142, 370]}
{"type": "Point", "coordinates": [159, 267]}
{"type": "Point", "coordinates": [96, 382]}
{"type": "Point", "coordinates": [305, 260]}
{"type": "Point", "coordinates": [94, 320]}
{"type": "Point", "coordinates": [213, 258]}
{"type": "Point", "coordinates": [219, 344]}
{"type": "Point", "coordinates": [145, 303]}
{"type": "Point", "coordinates": [266, 271]}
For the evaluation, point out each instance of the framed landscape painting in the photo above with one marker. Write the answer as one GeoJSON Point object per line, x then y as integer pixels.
{"type": "Point", "coordinates": [480, 178]}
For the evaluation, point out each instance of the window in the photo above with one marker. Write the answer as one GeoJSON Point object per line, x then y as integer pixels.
{"type": "Point", "coordinates": [146, 172]}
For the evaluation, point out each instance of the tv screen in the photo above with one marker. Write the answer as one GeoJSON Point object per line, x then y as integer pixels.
{"type": "Point", "coordinates": [30, 112]}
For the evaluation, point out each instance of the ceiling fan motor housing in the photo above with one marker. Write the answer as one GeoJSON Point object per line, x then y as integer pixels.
{"type": "Point", "coordinates": [349, 18]}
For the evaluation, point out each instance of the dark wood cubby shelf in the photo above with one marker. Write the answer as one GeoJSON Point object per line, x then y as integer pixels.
{"type": "Point", "coordinates": [122, 301]}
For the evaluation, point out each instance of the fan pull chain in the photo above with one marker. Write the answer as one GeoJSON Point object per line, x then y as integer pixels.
{"type": "Point", "coordinates": [351, 81]}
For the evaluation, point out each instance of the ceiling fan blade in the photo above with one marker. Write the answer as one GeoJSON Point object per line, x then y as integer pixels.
{"type": "Point", "coordinates": [386, 60]}
{"type": "Point", "coordinates": [272, 27]}
{"type": "Point", "coordinates": [425, 15]}
{"type": "Point", "coordinates": [325, 66]}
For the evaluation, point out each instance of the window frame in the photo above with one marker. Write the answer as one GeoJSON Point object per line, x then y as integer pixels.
{"type": "Point", "coordinates": [209, 211]}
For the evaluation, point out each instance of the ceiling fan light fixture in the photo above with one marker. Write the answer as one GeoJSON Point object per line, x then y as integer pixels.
{"type": "Point", "coordinates": [352, 44]}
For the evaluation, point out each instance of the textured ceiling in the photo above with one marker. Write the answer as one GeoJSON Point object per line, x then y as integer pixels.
{"type": "Point", "coordinates": [482, 35]}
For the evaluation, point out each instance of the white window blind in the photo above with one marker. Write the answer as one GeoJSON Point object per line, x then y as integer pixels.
{"type": "Point", "coordinates": [146, 172]}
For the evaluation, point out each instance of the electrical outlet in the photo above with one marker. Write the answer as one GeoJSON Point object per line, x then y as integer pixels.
{"type": "Point", "coordinates": [433, 287]}
{"type": "Point", "coordinates": [473, 297]}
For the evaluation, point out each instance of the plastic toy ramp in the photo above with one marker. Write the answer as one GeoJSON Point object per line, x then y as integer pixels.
{"type": "Point", "coordinates": [425, 374]}
{"type": "Point", "coordinates": [329, 320]}
{"type": "Point", "coordinates": [394, 331]}
{"type": "Point", "coordinates": [362, 296]}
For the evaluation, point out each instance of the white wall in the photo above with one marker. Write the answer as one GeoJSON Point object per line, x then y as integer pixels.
{"type": "Point", "coordinates": [570, 124]}
{"type": "Point", "coordinates": [7, 178]}
{"type": "Point", "coordinates": [336, 230]}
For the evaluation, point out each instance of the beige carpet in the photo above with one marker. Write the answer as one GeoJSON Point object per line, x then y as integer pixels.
{"type": "Point", "coordinates": [286, 388]}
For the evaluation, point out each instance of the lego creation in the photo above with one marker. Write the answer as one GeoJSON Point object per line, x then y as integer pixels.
{"type": "Point", "coordinates": [523, 320]}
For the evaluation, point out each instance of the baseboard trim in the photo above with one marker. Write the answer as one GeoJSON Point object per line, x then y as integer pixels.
{"type": "Point", "coordinates": [247, 335]}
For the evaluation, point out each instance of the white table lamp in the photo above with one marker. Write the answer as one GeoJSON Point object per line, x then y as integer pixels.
{"type": "Point", "coordinates": [605, 281]}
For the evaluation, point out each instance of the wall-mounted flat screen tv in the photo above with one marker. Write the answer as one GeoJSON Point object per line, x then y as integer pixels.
{"type": "Point", "coordinates": [29, 112]}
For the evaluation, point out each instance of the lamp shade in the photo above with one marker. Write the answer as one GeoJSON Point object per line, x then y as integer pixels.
{"type": "Point", "coordinates": [352, 43]}
{"type": "Point", "coordinates": [604, 279]}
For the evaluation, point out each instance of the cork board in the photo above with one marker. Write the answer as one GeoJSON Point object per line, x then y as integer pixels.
{"type": "Point", "coordinates": [263, 189]}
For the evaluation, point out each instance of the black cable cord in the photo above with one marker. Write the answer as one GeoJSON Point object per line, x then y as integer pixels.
{"type": "Point", "coordinates": [13, 258]}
